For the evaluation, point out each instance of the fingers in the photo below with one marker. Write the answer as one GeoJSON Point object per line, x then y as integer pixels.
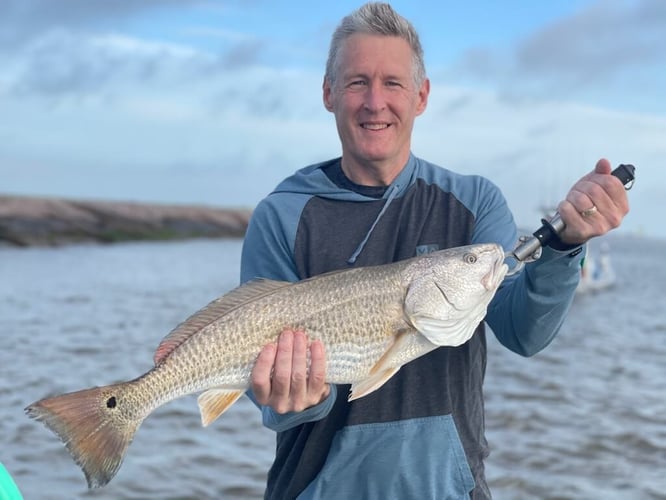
{"type": "Point", "coordinates": [261, 374]}
{"type": "Point", "coordinates": [281, 378]}
{"type": "Point", "coordinates": [281, 381]}
{"type": "Point", "coordinates": [298, 382]}
{"type": "Point", "coordinates": [318, 389]}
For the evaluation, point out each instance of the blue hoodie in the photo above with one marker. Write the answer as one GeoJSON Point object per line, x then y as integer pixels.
{"type": "Point", "coordinates": [421, 435]}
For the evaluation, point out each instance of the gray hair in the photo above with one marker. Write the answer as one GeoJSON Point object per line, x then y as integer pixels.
{"type": "Point", "coordinates": [375, 18]}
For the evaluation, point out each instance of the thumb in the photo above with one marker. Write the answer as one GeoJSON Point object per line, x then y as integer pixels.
{"type": "Point", "coordinates": [603, 166]}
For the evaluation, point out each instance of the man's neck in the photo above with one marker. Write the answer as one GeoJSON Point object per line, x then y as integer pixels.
{"type": "Point", "coordinates": [372, 173]}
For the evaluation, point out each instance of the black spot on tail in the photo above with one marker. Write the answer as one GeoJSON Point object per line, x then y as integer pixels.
{"type": "Point", "coordinates": [111, 402]}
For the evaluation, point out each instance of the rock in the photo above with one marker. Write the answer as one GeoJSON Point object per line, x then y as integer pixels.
{"type": "Point", "coordinates": [30, 221]}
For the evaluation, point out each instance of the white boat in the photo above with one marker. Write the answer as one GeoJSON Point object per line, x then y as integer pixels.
{"type": "Point", "coordinates": [597, 272]}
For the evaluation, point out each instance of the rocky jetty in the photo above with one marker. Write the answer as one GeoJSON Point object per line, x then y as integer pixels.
{"type": "Point", "coordinates": [29, 221]}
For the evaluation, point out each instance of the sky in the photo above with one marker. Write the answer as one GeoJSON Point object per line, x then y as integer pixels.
{"type": "Point", "coordinates": [214, 102]}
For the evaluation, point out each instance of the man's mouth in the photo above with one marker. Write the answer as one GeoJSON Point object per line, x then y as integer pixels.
{"type": "Point", "coordinates": [375, 126]}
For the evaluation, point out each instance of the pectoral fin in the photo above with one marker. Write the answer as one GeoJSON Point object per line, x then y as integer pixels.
{"type": "Point", "coordinates": [370, 384]}
{"type": "Point", "coordinates": [214, 402]}
{"type": "Point", "coordinates": [406, 347]}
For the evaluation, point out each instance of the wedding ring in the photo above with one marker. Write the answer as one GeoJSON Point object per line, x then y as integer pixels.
{"type": "Point", "coordinates": [589, 211]}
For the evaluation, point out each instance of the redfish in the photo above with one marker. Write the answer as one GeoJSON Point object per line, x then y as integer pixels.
{"type": "Point", "coordinates": [371, 320]}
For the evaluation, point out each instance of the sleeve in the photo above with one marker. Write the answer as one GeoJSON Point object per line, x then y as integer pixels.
{"type": "Point", "coordinates": [268, 253]}
{"type": "Point", "coordinates": [529, 308]}
{"type": "Point", "coordinates": [267, 246]}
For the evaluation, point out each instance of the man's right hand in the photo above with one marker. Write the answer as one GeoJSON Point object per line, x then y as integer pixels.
{"type": "Point", "coordinates": [281, 379]}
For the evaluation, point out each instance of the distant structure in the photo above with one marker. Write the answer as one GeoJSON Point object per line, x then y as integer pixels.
{"type": "Point", "coordinates": [28, 221]}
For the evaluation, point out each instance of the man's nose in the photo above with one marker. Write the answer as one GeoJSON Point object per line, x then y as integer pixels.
{"type": "Point", "coordinates": [375, 97]}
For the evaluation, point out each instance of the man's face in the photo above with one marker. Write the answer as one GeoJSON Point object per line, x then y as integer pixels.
{"type": "Point", "coordinates": [375, 100]}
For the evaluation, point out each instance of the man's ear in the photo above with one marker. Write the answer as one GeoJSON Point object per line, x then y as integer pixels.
{"type": "Point", "coordinates": [327, 95]}
{"type": "Point", "coordinates": [424, 92]}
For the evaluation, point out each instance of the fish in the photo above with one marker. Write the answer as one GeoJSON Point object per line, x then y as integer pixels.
{"type": "Point", "coordinates": [371, 320]}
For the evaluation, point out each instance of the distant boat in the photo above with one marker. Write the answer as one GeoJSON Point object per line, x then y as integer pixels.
{"type": "Point", "coordinates": [597, 272]}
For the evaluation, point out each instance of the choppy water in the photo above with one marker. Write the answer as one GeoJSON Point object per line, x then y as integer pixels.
{"type": "Point", "coordinates": [584, 419]}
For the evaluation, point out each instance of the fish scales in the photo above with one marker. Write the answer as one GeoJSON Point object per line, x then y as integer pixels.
{"type": "Point", "coordinates": [356, 328]}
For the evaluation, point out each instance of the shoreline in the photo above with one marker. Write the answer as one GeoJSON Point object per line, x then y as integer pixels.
{"type": "Point", "coordinates": [27, 221]}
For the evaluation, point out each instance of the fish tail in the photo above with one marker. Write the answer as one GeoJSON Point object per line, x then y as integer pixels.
{"type": "Point", "coordinates": [96, 425]}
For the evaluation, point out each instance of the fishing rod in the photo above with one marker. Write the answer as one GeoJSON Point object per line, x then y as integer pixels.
{"type": "Point", "coordinates": [529, 247]}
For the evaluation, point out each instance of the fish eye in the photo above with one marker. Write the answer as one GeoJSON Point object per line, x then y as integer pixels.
{"type": "Point", "coordinates": [469, 258]}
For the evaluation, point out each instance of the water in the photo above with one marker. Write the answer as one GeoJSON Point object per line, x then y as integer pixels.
{"type": "Point", "coordinates": [585, 419]}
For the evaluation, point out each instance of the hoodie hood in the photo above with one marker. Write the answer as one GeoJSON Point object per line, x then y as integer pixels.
{"type": "Point", "coordinates": [312, 181]}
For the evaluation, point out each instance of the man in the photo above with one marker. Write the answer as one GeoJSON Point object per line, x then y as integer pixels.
{"type": "Point", "coordinates": [421, 435]}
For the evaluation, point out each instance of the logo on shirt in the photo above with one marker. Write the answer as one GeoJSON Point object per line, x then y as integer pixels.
{"type": "Point", "coordinates": [424, 249]}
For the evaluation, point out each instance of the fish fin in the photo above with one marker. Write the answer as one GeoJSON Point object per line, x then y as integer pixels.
{"type": "Point", "coordinates": [371, 383]}
{"type": "Point", "coordinates": [214, 402]}
{"type": "Point", "coordinates": [382, 370]}
{"type": "Point", "coordinates": [243, 294]}
{"type": "Point", "coordinates": [93, 426]}
{"type": "Point", "coordinates": [408, 345]}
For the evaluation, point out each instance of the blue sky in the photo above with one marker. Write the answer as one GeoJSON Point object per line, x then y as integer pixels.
{"type": "Point", "coordinates": [214, 102]}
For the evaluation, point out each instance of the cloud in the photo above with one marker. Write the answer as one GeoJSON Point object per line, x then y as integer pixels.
{"type": "Point", "coordinates": [63, 65]}
{"type": "Point", "coordinates": [610, 46]}
{"type": "Point", "coordinates": [87, 51]}
{"type": "Point", "coordinates": [597, 42]}
{"type": "Point", "coordinates": [23, 20]}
